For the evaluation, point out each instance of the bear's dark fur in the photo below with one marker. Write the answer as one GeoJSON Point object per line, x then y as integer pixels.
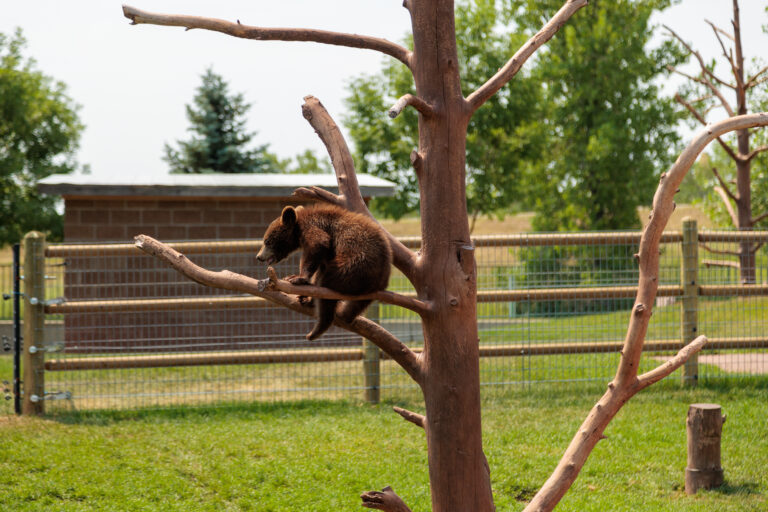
{"type": "Point", "coordinates": [341, 250]}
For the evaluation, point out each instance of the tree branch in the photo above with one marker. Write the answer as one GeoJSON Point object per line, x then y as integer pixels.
{"type": "Point", "coordinates": [386, 500]}
{"type": "Point", "coordinates": [318, 194]}
{"type": "Point", "coordinates": [760, 217]}
{"type": "Point", "coordinates": [720, 263]}
{"type": "Point", "coordinates": [320, 292]}
{"type": "Point", "coordinates": [701, 98]}
{"type": "Point", "coordinates": [349, 191]}
{"type": "Point", "coordinates": [700, 118]}
{"type": "Point", "coordinates": [738, 68]}
{"type": "Point", "coordinates": [719, 251]}
{"type": "Point", "coordinates": [513, 65]}
{"type": "Point", "coordinates": [649, 254]}
{"type": "Point", "coordinates": [723, 184]}
{"type": "Point", "coordinates": [718, 29]}
{"type": "Point", "coordinates": [137, 16]}
{"type": "Point", "coordinates": [752, 81]}
{"type": "Point", "coordinates": [729, 58]}
{"type": "Point", "coordinates": [655, 375]}
{"type": "Point", "coordinates": [227, 280]}
{"type": "Point", "coordinates": [728, 206]}
{"type": "Point", "coordinates": [710, 86]}
{"type": "Point", "coordinates": [626, 382]}
{"type": "Point", "coordinates": [758, 81]}
{"type": "Point", "coordinates": [752, 154]}
{"type": "Point", "coordinates": [704, 69]}
{"type": "Point", "coordinates": [419, 104]}
{"type": "Point", "coordinates": [341, 159]}
{"type": "Point", "coordinates": [417, 419]}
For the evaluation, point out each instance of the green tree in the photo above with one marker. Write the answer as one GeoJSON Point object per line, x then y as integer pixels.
{"type": "Point", "coordinates": [220, 140]}
{"type": "Point", "coordinates": [504, 137]}
{"type": "Point", "coordinates": [39, 133]}
{"type": "Point", "coordinates": [307, 162]}
{"type": "Point", "coordinates": [697, 183]}
{"type": "Point", "coordinates": [610, 131]}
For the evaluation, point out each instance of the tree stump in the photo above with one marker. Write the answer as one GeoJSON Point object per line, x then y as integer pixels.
{"type": "Point", "coordinates": [704, 427]}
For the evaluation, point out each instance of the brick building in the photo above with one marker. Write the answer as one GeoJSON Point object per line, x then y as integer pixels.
{"type": "Point", "coordinates": [179, 207]}
{"type": "Point", "coordinates": [183, 206]}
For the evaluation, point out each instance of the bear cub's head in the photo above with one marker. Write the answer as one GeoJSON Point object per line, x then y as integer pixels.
{"type": "Point", "coordinates": [281, 237]}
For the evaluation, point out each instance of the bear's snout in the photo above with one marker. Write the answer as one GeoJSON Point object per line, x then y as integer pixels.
{"type": "Point", "coordinates": [265, 254]}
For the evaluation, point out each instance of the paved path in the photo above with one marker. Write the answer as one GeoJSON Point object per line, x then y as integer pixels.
{"type": "Point", "coordinates": [754, 363]}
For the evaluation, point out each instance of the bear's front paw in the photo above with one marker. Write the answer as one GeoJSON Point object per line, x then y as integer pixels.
{"type": "Point", "coordinates": [297, 280]}
{"type": "Point", "coordinates": [305, 301]}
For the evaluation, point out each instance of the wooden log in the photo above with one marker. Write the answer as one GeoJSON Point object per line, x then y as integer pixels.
{"type": "Point", "coordinates": [704, 427]}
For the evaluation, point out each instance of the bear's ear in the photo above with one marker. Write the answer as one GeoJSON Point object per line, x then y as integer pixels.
{"type": "Point", "coordinates": [288, 216]}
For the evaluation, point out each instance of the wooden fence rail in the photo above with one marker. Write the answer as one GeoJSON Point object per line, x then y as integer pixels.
{"type": "Point", "coordinates": [236, 357]}
{"type": "Point", "coordinates": [544, 294]}
{"type": "Point", "coordinates": [687, 291]}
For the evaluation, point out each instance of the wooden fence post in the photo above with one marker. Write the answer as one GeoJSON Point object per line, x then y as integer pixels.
{"type": "Point", "coordinates": [704, 427]}
{"type": "Point", "coordinates": [689, 314]}
{"type": "Point", "coordinates": [34, 324]}
{"type": "Point", "coordinates": [371, 366]}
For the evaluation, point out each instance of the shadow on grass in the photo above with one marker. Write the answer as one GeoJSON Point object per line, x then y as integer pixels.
{"type": "Point", "coordinates": [224, 410]}
{"type": "Point", "coordinates": [555, 394]}
{"type": "Point", "coordinates": [521, 493]}
{"type": "Point", "coordinates": [729, 489]}
{"type": "Point", "coordinates": [730, 382]}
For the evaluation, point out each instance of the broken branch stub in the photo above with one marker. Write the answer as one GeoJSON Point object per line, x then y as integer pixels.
{"type": "Point", "coordinates": [386, 500]}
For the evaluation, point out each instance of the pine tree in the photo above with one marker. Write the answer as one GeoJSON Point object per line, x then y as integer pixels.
{"type": "Point", "coordinates": [220, 141]}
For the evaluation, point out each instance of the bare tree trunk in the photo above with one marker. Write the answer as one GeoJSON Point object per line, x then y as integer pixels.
{"type": "Point", "coordinates": [743, 165]}
{"type": "Point", "coordinates": [747, 271]}
{"type": "Point", "coordinates": [459, 477]}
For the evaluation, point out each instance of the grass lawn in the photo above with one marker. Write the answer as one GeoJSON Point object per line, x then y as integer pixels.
{"type": "Point", "coordinates": [318, 456]}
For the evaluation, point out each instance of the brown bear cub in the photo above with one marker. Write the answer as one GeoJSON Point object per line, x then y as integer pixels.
{"type": "Point", "coordinates": [341, 250]}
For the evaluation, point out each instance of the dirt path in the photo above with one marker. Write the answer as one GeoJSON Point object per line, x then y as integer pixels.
{"type": "Point", "coordinates": [756, 364]}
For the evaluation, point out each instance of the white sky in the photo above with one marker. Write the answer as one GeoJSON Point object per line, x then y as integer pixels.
{"type": "Point", "coordinates": [134, 81]}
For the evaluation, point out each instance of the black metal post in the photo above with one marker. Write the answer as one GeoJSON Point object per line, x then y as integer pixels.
{"type": "Point", "coordinates": [16, 330]}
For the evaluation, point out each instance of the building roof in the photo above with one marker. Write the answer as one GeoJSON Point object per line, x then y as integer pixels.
{"type": "Point", "coordinates": [202, 185]}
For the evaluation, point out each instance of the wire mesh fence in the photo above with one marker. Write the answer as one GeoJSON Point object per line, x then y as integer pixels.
{"type": "Point", "coordinates": [124, 330]}
{"type": "Point", "coordinates": [6, 285]}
